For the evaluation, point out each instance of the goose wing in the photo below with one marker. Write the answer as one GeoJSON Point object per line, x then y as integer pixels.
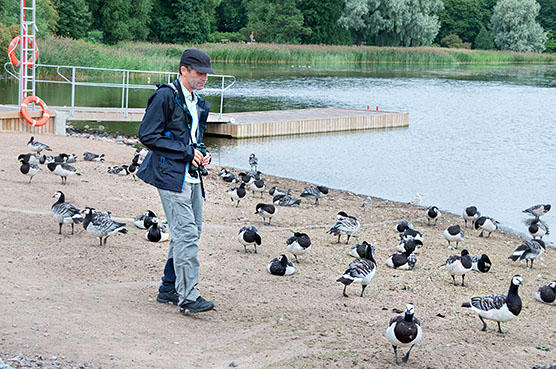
{"type": "Point", "coordinates": [489, 302]}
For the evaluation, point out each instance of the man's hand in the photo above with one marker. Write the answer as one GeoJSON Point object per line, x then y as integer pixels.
{"type": "Point", "coordinates": [197, 158]}
{"type": "Point", "coordinates": [206, 160]}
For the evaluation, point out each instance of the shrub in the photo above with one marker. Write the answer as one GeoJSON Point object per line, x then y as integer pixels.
{"type": "Point", "coordinates": [453, 41]}
{"type": "Point", "coordinates": [230, 36]}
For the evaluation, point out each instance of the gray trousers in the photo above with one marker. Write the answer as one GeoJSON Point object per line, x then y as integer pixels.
{"type": "Point", "coordinates": [184, 212]}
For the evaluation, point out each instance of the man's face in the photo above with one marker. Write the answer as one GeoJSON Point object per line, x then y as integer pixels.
{"type": "Point", "coordinates": [193, 80]}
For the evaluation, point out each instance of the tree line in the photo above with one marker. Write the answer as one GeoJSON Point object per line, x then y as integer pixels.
{"type": "Point", "coordinates": [518, 25]}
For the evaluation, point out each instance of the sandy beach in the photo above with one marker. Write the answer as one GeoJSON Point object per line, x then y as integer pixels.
{"type": "Point", "coordinates": [81, 305]}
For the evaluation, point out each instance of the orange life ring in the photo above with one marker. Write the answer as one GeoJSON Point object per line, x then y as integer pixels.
{"type": "Point", "coordinates": [11, 52]}
{"type": "Point", "coordinates": [25, 114]}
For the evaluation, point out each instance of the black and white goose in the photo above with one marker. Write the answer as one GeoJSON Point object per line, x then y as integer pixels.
{"type": "Point", "coordinates": [432, 213]}
{"type": "Point", "coordinates": [470, 213]}
{"type": "Point", "coordinates": [46, 159]}
{"type": "Point", "coordinates": [500, 308]}
{"type": "Point", "coordinates": [249, 235]}
{"type": "Point", "coordinates": [258, 185]}
{"type": "Point", "coordinates": [481, 263]}
{"type": "Point", "coordinates": [145, 220]}
{"type": "Point", "coordinates": [528, 250]}
{"type": "Point", "coordinates": [315, 192]}
{"type": "Point", "coordinates": [299, 244]}
{"type": "Point", "coordinates": [29, 169]}
{"type": "Point", "coordinates": [486, 224]}
{"type": "Point", "coordinates": [37, 146]}
{"type": "Point", "coordinates": [281, 266]}
{"type": "Point", "coordinates": [360, 270]}
{"type": "Point", "coordinates": [404, 331]}
{"type": "Point", "coordinates": [249, 177]}
{"type": "Point", "coordinates": [537, 229]}
{"type": "Point", "coordinates": [265, 211]}
{"type": "Point", "coordinates": [403, 261]}
{"type": "Point", "coordinates": [358, 250]}
{"type": "Point", "coordinates": [275, 191]}
{"type": "Point", "coordinates": [71, 158]}
{"type": "Point", "coordinates": [142, 153]}
{"type": "Point", "coordinates": [101, 226]}
{"type": "Point", "coordinates": [412, 234]}
{"type": "Point", "coordinates": [63, 170]}
{"type": "Point", "coordinates": [65, 213]}
{"type": "Point", "coordinates": [547, 294]}
{"type": "Point", "coordinates": [227, 176]}
{"type": "Point", "coordinates": [286, 200]}
{"type": "Point", "coordinates": [344, 224]}
{"type": "Point", "coordinates": [253, 162]}
{"type": "Point", "coordinates": [459, 265]}
{"type": "Point", "coordinates": [408, 244]}
{"type": "Point", "coordinates": [403, 225]}
{"type": "Point", "coordinates": [89, 156]}
{"type": "Point", "coordinates": [120, 170]}
{"type": "Point", "coordinates": [237, 193]}
{"type": "Point", "coordinates": [538, 210]}
{"type": "Point", "coordinates": [156, 232]}
{"type": "Point", "coordinates": [453, 233]}
{"type": "Point", "coordinates": [30, 157]}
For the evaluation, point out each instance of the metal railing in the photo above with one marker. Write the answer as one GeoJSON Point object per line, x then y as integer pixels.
{"type": "Point", "coordinates": [124, 85]}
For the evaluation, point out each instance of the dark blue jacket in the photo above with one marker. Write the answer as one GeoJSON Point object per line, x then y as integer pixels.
{"type": "Point", "coordinates": [165, 130]}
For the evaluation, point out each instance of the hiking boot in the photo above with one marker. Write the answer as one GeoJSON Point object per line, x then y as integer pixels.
{"type": "Point", "coordinates": [196, 306]}
{"type": "Point", "coordinates": [170, 297]}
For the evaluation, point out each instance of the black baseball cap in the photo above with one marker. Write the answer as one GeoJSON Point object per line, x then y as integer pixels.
{"type": "Point", "coordinates": [198, 59]}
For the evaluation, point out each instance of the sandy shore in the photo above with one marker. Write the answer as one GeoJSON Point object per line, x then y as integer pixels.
{"type": "Point", "coordinates": [64, 296]}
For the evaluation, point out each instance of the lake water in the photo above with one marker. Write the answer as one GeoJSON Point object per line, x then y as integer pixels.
{"type": "Point", "coordinates": [478, 135]}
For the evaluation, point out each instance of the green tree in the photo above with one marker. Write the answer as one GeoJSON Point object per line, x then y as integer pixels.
{"type": "Point", "coordinates": [393, 22]}
{"type": "Point", "coordinates": [162, 25]}
{"type": "Point", "coordinates": [75, 18]}
{"type": "Point", "coordinates": [454, 42]}
{"type": "Point", "coordinates": [190, 21]}
{"type": "Point", "coordinates": [514, 26]}
{"type": "Point", "coordinates": [550, 43]}
{"type": "Point", "coordinates": [231, 16]}
{"type": "Point", "coordinates": [547, 14]}
{"type": "Point", "coordinates": [47, 17]}
{"type": "Point", "coordinates": [321, 17]}
{"type": "Point", "coordinates": [464, 18]}
{"type": "Point", "coordinates": [276, 21]}
{"type": "Point", "coordinates": [210, 9]}
{"type": "Point", "coordinates": [122, 20]}
{"type": "Point", "coordinates": [484, 40]}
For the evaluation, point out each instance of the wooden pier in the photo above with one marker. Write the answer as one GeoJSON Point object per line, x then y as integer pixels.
{"type": "Point", "coordinates": [235, 125]}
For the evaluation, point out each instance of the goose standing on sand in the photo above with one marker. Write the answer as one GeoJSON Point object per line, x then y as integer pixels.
{"type": "Point", "coordinates": [453, 234]}
{"type": "Point", "coordinates": [281, 266]}
{"type": "Point", "coordinates": [29, 169]}
{"type": "Point", "coordinates": [145, 220]}
{"type": "Point", "coordinates": [101, 226]}
{"type": "Point", "coordinates": [299, 244]}
{"type": "Point", "coordinates": [404, 331]}
{"type": "Point", "coordinates": [528, 250]}
{"type": "Point", "coordinates": [403, 225]}
{"type": "Point", "coordinates": [360, 271]}
{"type": "Point", "coordinates": [432, 213]}
{"type": "Point", "coordinates": [249, 235]}
{"type": "Point", "coordinates": [315, 192]}
{"type": "Point", "coordinates": [470, 213]}
{"type": "Point", "coordinates": [257, 185]}
{"type": "Point", "coordinates": [500, 308]}
{"type": "Point", "coordinates": [30, 157]}
{"type": "Point", "coordinates": [286, 200]}
{"type": "Point", "coordinates": [265, 211]}
{"type": "Point", "coordinates": [37, 146]}
{"type": "Point", "coordinates": [65, 213]}
{"type": "Point", "coordinates": [547, 294]}
{"type": "Point", "coordinates": [253, 162]}
{"type": "Point", "coordinates": [132, 168]}
{"type": "Point", "coordinates": [63, 170]}
{"type": "Point", "coordinates": [538, 210]}
{"type": "Point", "coordinates": [89, 156]}
{"type": "Point", "coordinates": [459, 265]}
{"type": "Point", "coordinates": [344, 224]}
{"type": "Point", "coordinates": [237, 193]}
{"type": "Point", "coordinates": [486, 224]}
{"type": "Point", "coordinates": [537, 229]}
{"type": "Point", "coordinates": [481, 263]}
{"type": "Point", "coordinates": [157, 233]}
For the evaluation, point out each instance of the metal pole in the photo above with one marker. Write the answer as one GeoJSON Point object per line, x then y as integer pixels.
{"type": "Point", "coordinates": [221, 99]}
{"type": "Point", "coordinates": [21, 52]}
{"type": "Point", "coordinates": [72, 91]}
{"type": "Point", "coordinates": [32, 57]}
{"type": "Point", "coordinates": [127, 94]}
{"type": "Point", "coordinates": [123, 88]}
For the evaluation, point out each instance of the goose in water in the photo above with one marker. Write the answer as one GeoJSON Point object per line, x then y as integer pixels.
{"type": "Point", "coordinates": [500, 308]}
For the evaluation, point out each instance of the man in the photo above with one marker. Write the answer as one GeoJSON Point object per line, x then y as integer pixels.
{"type": "Point", "coordinates": [173, 125]}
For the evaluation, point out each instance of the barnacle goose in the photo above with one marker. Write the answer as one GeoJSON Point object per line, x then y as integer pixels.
{"type": "Point", "coordinates": [403, 225]}
{"type": "Point", "coordinates": [360, 270]}
{"type": "Point", "coordinates": [486, 224]}
{"type": "Point", "coordinates": [538, 229]}
{"type": "Point", "coordinates": [404, 331]}
{"type": "Point", "coordinates": [453, 234]}
{"type": "Point", "coordinates": [481, 263]}
{"type": "Point", "coordinates": [89, 156]}
{"type": "Point", "coordinates": [500, 308]}
{"type": "Point", "coordinates": [145, 220]}
{"type": "Point", "coordinates": [30, 157]}
{"type": "Point", "coordinates": [472, 214]}
{"type": "Point", "coordinates": [432, 213]}
{"type": "Point", "coordinates": [101, 226]}
{"type": "Point", "coordinates": [249, 235]}
{"type": "Point", "coordinates": [528, 250]}
{"type": "Point", "coordinates": [37, 146]}
{"type": "Point", "coordinates": [253, 162]}
{"type": "Point", "coordinates": [265, 211]}
{"type": "Point", "coordinates": [63, 170]}
{"type": "Point", "coordinates": [157, 233]}
{"type": "Point", "coordinates": [285, 200]}
{"type": "Point", "coordinates": [281, 266]}
{"type": "Point", "coordinates": [538, 210]}
{"type": "Point", "coordinates": [358, 250]}
{"type": "Point", "coordinates": [237, 193]}
{"type": "Point", "coordinates": [547, 293]}
{"type": "Point", "coordinates": [404, 261]}
{"type": "Point", "coordinates": [315, 192]}
{"type": "Point", "coordinates": [29, 169]}
{"type": "Point", "coordinates": [344, 224]}
{"type": "Point", "coordinates": [459, 265]}
{"type": "Point", "coordinates": [65, 213]}
{"type": "Point", "coordinates": [257, 185]}
{"type": "Point", "coordinates": [299, 244]}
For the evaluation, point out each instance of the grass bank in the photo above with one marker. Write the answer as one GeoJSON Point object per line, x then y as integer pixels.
{"type": "Point", "coordinates": [147, 56]}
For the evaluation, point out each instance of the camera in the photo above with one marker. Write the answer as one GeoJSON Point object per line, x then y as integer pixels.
{"type": "Point", "coordinates": [194, 171]}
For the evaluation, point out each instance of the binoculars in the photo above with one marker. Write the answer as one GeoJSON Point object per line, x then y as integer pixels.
{"type": "Point", "coordinates": [194, 171]}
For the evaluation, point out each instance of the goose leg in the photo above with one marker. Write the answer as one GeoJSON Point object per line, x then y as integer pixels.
{"type": "Point", "coordinates": [237, 203]}
{"type": "Point", "coordinates": [255, 249]}
{"type": "Point", "coordinates": [60, 231]}
{"type": "Point", "coordinates": [363, 289]}
{"type": "Point", "coordinates": [100, 239]}
{"type": "Point", "coordinates": [105, 238]}
{"type": "Point", "coordinates": [396, 354]}
{"type": "Point", "coordinates": [500, 329]}
{"type": "Point", "coordinates": [347, 240]}
{"type": "Point", "coordinates": [463, 280]}
{"type": "Point", "coordinates": [297, 261]}
{"type": "Point", "coordinates": [406, 356]}
{"type": "Point", "coordinates": [454, 279]}
{"type": "Point", "coordinates": [481, 234]}
{"type": "Point", "coordinates": [484, 324]}
{"type": "Point", "coordinates": [532, 263]}
{"type": "Point", "coordinates": [245, 249]}
{"type": "Point", "coordinates": [345, 294]}
{"type": "Point", "coordinates": [71, 228]}
{"type": "Point", "coordinates": [338, 239]}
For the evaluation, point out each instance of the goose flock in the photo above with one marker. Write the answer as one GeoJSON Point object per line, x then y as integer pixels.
{"type": "Point", "coordinates": [403, 330]}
